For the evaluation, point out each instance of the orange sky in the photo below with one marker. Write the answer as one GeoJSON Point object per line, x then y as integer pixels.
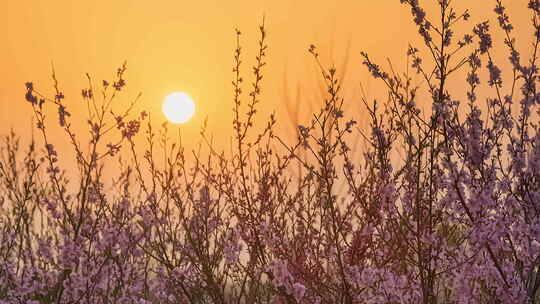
{"type": "Point", "coordinates": [188, 46]}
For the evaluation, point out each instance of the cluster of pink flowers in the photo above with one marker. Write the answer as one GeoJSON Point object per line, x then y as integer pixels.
{"type": "Point", "coordinates": [442, 205]}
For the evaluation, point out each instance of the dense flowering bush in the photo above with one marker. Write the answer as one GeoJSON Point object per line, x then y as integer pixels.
{"type": "Point", "coordinates": [443, 205]}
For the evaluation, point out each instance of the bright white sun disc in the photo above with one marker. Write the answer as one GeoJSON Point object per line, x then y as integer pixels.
{"type": "Point", "coordinates": [178, 107]}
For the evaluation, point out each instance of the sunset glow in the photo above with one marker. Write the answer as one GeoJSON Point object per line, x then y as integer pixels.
{"type": "Point", "coordinates": [178, 107]}
{"type": "Point", "coordinates": [270, 151]}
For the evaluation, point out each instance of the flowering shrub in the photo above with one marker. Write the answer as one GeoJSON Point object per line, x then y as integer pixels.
{"type": "Point", "coordinates": [442, 207]}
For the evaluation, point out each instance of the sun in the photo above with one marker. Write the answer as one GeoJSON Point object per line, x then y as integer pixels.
{"type": "Point", "coordinates": [178, 107]}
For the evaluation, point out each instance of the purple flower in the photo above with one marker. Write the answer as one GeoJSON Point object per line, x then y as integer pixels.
{"type": "Point", "coordinates": [131, 129]}
{"type": "Point", "coordinates": [62, 113]}
{"type": "Point", "coordinates": [298, 291]}
{"type": "Point", "coordinates": [417, 61]}
{"type": "Point", "coordinates": [482, 31]}
{"type": "Point", "coordinates": [494, 75]}
{"type": "Point", "coordinates": [534, 5]}
{"type": "Point", "coordinates": [30, 97]}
